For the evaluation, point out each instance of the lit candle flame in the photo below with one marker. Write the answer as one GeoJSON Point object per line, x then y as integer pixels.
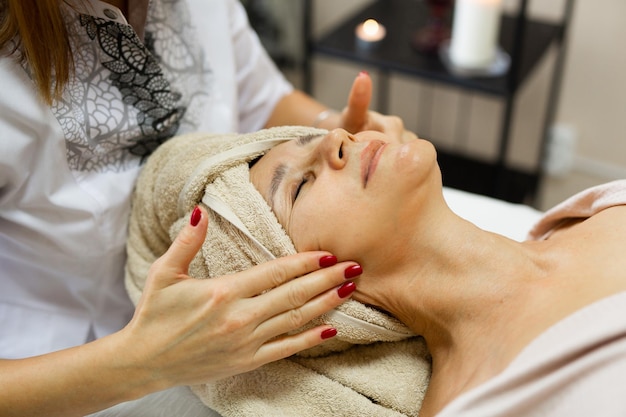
{"type": "Point", "coordinates": [370, 27]}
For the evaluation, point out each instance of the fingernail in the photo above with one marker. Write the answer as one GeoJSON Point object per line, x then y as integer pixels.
{"type": "Point", "coordinates": [328, 333]}
{"type": "Point", "coordinates": [363, 72]}
{"type": "Point", "coordinates": [328, 260]}
{"type": "Point", "coordinates": [352, 271]}
{"type": "Point", "coordinates": [196, 215]}
{"type": "Point", "coordinates": [346, 289]}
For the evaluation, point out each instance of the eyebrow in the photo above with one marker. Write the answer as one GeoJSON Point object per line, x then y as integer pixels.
{"type": "Point", "coordinates": [277, 177]}
{"type": "Point", "coordinates": [303, 140]}
{"type": "Point", "coordinates": [281, 170]}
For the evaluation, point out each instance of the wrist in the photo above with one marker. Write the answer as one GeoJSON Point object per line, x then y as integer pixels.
{"type": "Point", "coordinates": [136, 368]}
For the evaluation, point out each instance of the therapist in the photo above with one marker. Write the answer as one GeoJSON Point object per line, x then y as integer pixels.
{"type": "Point", "coordinates": [89, 90]}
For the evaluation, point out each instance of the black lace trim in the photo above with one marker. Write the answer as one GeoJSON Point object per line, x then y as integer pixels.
{"type": "Point", "coordinates": [136, 73]}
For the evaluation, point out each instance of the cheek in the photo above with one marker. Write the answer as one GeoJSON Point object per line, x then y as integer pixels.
{"type": "Point", "coordinates": [318, 221]}
{"type": "Point", "coordinates": [331, 222]}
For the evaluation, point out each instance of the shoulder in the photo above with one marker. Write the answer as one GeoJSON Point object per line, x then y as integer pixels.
{"type": "Point", "coordinates": [602, 235]}
{"type": "Point", "coordinates": [587, 262]}
{"type": "Point", "coordinates": [576, 367]}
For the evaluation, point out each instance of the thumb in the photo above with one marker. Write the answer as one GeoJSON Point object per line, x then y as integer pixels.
{"type": "Point", "coordinates": [358, 103]}
{"type": "Point", "coordinates": [187, 244]}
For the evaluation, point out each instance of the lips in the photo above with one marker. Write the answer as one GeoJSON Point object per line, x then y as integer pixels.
{"type": "Point", "coordinates": [369, 159]}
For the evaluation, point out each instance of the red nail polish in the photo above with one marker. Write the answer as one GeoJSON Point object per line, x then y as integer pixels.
{"type": "Point", "coordinates": [328, 333]}
{"type": "Point", "coordinates": [352, 271]}
{"type": "Point", "coordinates": [328, 260]}
{"type": "Point", "coordinates": [196, 215]}
{"type": "Point", "coordinates": [346, 289]}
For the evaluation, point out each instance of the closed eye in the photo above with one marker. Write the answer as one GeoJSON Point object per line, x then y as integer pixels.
{"type": "Point", "coordinates": [305, 179]}
{"type": "Point", "coordinates": [299, 188]}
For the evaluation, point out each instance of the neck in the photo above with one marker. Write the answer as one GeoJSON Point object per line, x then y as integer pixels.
{"type": "Point", "coordinates": [456, 286]}
{"type": "Point", "coordinates": [120, 4]}
{"type": "Point", "coordinates": [136, 15]}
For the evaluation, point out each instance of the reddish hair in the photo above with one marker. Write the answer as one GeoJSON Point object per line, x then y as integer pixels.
{"type": "Point", "coordinates": [34, 31]}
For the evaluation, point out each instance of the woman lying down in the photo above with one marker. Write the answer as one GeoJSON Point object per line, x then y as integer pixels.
{"type": "Point", "coordinates": [447, 318]}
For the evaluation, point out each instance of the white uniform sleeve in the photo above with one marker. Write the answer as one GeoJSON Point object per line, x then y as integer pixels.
{"type": "Point", "coordinates": [179, 402]}
{"type": "Point", "coordinates": [20, 125]}
{"type": "Point", "coordinates": [260, 84]}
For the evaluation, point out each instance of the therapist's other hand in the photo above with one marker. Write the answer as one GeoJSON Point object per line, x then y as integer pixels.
{"type": "Point", "coordinates": [187, 331]}
{"type": "Point", "coordinates": [357, 117]}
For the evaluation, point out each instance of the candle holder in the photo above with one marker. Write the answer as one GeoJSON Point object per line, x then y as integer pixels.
{"type": "Point", "coordinates": [429, 38]}
{"type": "Point", "coordinates": [495, 68]}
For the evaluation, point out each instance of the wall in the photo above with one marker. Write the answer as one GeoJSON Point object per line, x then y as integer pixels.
{"type": "Point", "coordinates": [592, 101]}
{"type": "Point", "coordinates": [593, 98]}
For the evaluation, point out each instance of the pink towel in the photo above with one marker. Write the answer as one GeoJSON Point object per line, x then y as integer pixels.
{"type": "Point", "coordinates": [582, 205]}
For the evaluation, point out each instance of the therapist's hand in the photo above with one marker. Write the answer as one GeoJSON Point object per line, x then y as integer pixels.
{"type": "Point", "coordinates": [357, 117]}
{"type": "Point", "coordinates": [189, 331]}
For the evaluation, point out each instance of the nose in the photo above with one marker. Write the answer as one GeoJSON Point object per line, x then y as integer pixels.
{"type": "Point", "coordinates": [335, 148]}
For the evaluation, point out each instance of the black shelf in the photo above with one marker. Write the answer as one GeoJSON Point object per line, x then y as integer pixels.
{"type": "Point", "coordinates": [476, 176]}
{"type": "Point", "coordinates": [395, 53]}
{"type": "Point", "coordinates": [525, 40]}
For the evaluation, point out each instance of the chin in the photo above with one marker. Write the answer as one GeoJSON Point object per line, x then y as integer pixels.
{"type": "Point", "coordinates": [418, 160]}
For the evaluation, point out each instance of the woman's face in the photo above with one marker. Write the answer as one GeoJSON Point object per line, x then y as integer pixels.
{"type": "Point", "coordinates": [345, 193]}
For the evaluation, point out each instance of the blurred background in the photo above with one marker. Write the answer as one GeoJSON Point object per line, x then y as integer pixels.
{"type": "Point", "coordinates": [577, 141]}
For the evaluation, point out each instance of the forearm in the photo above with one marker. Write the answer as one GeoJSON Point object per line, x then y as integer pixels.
{"type": "Point", "coordinates": [297, 108]}
{"type": "Point", "coordinates": [72, 382]}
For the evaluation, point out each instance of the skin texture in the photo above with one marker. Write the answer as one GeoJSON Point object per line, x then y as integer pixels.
{"type": "Point", "coordinates": [477, 297]}
{"type": "Point", "coordinates": [341, 162]}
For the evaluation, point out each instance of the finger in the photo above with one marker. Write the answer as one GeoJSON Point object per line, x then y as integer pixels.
{"type": "Point", "coordinates": [355, 114]}
{"type": "Point", "coordinates": [294, 318]}
{"type": "Point", "coordinates": [289, 345]}
{"type": "Point", "coordinates": [268, 275]}
{"type": "Point", "coordinates": [188, 242]}
{"type": "Point", "coordinates": [391, 125]}
{"type": "Point", "coordinates": [297, 293]}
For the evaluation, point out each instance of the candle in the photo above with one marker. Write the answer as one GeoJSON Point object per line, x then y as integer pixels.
{"type": "Point", "coordinates": [475, 28]}
{"type": "Point", "coordinates": [369, 34]}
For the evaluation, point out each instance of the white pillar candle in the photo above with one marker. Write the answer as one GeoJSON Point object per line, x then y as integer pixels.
{"type": "Point", "coordinates": [475, 29]}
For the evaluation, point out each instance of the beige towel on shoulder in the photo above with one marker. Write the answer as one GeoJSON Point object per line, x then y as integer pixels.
{"type": "Point", "coordinates": [374, 366]}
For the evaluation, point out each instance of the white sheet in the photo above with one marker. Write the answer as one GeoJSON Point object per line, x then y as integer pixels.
{"type": "Point", "coordinates": [512, 220]}
{"type": "Point", "coordinates": [509, 219]}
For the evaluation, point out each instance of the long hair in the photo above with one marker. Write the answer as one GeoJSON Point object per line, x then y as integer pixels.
{"type": "Point", "coordinates": [35, 33]}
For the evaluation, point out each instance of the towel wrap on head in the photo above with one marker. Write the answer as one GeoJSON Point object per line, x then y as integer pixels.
{"type": "Point", "coordinates": [375, 366]}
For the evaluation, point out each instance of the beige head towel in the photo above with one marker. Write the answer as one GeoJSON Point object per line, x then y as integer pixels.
{"type": "Point", "coordinates": [374, 366]}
